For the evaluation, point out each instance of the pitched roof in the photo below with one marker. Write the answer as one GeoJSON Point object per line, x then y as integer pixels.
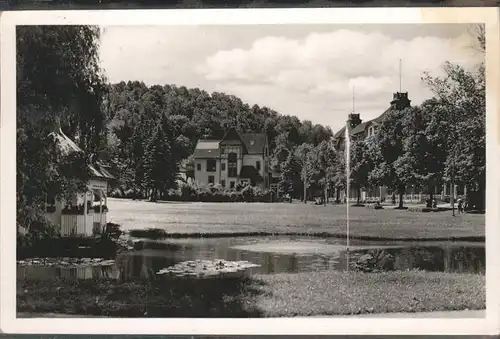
{"type": "Point", "coordinates": [64, 143]}
{"type": "Point", "coordinates": [68, 146]}
{"type": "Point", "coordinates": [340, 133]}
{"type": "Point", "coordinates": [382, 116]}
{"type": "Point", "coordinates": [255, 142]}
{"type": "Point", "coordinates": [232, 135]}
{"type": "Point", "coordinates": [360, 128]}
{"type": "Point", "coordinates": [99, 171]}
{"type": "Point", "coordinates": [250, 172]}
{"type": "Point", "coordinates": [207, 149]}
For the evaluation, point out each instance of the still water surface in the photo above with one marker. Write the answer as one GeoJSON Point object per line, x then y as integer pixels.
{"type": "Point", "coordinates": [275, 255]}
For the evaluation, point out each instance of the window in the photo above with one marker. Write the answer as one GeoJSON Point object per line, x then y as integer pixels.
{"type": "Point", "coordinates": [232, 184]}
{"type": "Point", "coordinates": [51, 199]}
{"type": "Point", "coordinates": [257, 164]}
{"type": "Point", "coordinates": [223, 183]}
{"type": "Point", "coordinates": [223, 166]}
{"type": "Point", "coordinates": [232, 164]}
{"type": "Point", "coordinates": [211, 165]}
{"type": "Point", "coordinates": [211, 179]}
{"type": "Point", "coordinates": [198, 167]}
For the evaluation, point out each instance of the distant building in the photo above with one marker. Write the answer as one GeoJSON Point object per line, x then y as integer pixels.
{"type": "Point", "coordinates": [360, 130]}
{"type": "Point", "coordinates": [237, 158]}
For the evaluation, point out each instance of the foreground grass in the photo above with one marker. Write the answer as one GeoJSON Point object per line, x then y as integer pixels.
{"type": "Point", "coordinates": [199, 219]}
{"type": "Point", "coordinates": [336, 293]}
{"type": "Point", "coordinates": [303, 294]}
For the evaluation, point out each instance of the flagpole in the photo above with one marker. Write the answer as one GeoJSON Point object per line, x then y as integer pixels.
{"type": "Point", "coordinates": [348, 170]}
{"type": "Point", "coordinates": [400, 74]}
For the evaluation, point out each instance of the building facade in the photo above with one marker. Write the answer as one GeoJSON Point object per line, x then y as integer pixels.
{"type": "Point", "coordinates": [237, 158]}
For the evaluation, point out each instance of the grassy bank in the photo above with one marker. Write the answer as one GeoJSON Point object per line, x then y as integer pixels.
{"type": "Point", "coordinates": [303, 294]}
{"type": "Point", "coordinates": [332, 293]}
{"type": "Point", "coordinates": [218, 219]}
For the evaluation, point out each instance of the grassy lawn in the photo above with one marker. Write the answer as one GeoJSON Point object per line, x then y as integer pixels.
{"type": "Point", "coordinates": [303, 294]}
{"type": "Point", "coordinates": [279, 218]}
{"type": "Point", "coordinates": [333, 293]}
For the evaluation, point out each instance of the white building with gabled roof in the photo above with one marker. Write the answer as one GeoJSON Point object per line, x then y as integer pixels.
{"type": "Point", "coordinates": [236, 158]}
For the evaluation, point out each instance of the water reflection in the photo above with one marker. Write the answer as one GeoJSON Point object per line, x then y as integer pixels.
{"type": "Point", "coordinates": [152, 256]}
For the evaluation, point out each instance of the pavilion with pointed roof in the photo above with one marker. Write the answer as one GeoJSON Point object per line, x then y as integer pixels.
{"type": "Point", "coordinates": [84, 214]}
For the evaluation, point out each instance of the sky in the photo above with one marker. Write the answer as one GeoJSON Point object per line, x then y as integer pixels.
{"type": "Point", "coordinates": [315, 72]}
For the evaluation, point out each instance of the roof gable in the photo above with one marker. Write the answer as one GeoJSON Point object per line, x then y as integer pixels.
{"type": "Point", "coordinates": [232, 137]}
{"type": "Point", "coordinates": [68, 146]}
{"type": "Point", "coordinates": [340, 133]}
{"type": "Point", "coordinates": [360, 128]}
{"type": "Point", "coordinates": [255, 142]}
{"type": "Point", "coordinates": [64, 143]}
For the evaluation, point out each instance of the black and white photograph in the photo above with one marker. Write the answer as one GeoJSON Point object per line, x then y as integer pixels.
{"type": "Point", "coordinates": [322, 170]}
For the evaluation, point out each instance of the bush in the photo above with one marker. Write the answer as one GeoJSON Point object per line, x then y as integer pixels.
{"type": "Point", "coordinates": [248, 194]}
{"type": "Point", "coordinates": [192, 192]}
{"type": "Point", "coordinates": [236, 196]}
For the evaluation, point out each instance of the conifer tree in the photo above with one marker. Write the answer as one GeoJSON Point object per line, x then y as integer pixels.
{"type": "Point", "coordinates": [159, 173]}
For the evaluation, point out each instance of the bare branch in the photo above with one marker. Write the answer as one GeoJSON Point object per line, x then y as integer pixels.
{"type": "Point", "coordinates": [478, 32]}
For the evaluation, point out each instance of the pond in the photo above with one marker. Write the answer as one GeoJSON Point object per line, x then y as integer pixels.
{"type": "Point", "coordinates": [274, 255]}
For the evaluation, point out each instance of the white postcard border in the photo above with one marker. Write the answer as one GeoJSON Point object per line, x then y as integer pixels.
{"type": "Point", "coordinates": [329, 325]}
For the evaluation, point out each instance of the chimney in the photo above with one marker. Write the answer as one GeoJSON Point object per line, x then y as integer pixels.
{"type": "Point", "coordinates": [353, 120]}
{"type": "Point", "coordinates": [400, 101]}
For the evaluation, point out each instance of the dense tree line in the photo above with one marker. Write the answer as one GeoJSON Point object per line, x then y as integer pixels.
{"type": "Point", "coordinates": [138, 113]}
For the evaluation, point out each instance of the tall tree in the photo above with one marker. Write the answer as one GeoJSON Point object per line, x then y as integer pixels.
{"type": "Point", "coordinates": [59, 84]}
{"type": "Point", "coordinates": [307, 159]}
{"type": "Point", "coordinates": [326, 166]}
{"type": "Point", "coordinates": [389, 144]}
{"type": "Point", "coordinates": [461, 93]}
{"type": "Point", "coordinates": [158, 173]}
{"type": "Point", "coordinates": [422, 163]}
{"type": "Point", "coordinates": [360, 167]}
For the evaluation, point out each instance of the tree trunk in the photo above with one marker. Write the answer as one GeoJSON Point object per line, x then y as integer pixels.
{"type": "Point", "coordinates": [358, 195]}
{"type": "Point", "coordinates": [400, 199]}
{"type": "Point", "coordinates": [481, 196]}
{"type": "Point", "coordinates": [153, 195]}
{"type": "Point", "coordinates": [305, 190]}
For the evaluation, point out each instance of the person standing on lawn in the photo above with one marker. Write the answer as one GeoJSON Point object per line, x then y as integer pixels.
{"type": "Point", "coordinates": [460, 205]}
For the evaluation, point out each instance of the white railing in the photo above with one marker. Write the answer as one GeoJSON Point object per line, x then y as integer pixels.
{"type": "Point", "coordinates": [77, 224]}
{"type": "Point", "coordinates": [98, 222]}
